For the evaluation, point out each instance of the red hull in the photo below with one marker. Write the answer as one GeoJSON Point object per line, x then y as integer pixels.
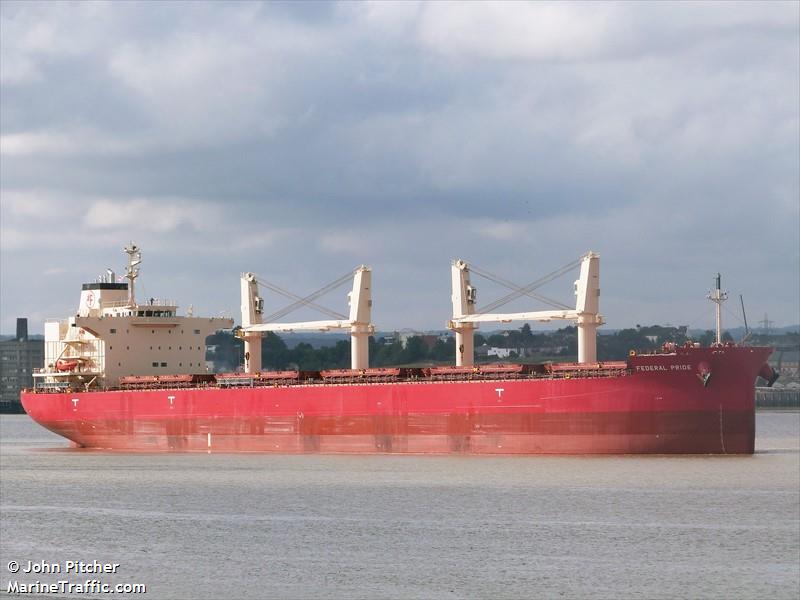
{"type": "Point", "coordinates": [662, 405]}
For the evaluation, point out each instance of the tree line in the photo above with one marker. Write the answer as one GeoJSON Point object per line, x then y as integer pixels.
{"type": "Point", "coordinates": [227, 351]}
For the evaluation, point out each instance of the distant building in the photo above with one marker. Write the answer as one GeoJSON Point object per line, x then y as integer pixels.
{"type": "Point", "coordinates": [18, 358]}
{"type": "Point", "coordinates": [786, 360]}
{"type": "Point", "coordinates": [428, 340]}
{"type": "Point", "coordinates": [404, 336]}
{"type": "Point", "coordinates": [500, 352]}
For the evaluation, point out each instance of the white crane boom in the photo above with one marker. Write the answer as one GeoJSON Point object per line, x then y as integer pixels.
{"type": "Point", "coordinates": [359, 323]}
{"type": "Point", "coordinates": [587, 292]}
{"type": "Point", "coordinates": [300, 326]}
{"type": "Point", "coordinates": [539, 315]}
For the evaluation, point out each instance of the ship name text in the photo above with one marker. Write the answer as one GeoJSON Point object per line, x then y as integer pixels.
{"type": "Point", "coordinates": [663, 367]}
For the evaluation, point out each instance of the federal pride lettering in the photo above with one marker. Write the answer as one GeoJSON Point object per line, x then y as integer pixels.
{"type": "Point", "coordinates": [663, 367]}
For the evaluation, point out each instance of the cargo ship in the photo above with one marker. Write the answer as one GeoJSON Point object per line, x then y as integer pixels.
{"type": "Point", "coordinates": [128, 375]}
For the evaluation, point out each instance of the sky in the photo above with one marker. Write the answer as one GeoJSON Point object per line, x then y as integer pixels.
{"type": "Point", "coordinates": [299, 140]}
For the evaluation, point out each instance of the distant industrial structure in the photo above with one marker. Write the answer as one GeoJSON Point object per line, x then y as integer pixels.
{"type": "Point", "coordinates": [18, 358]}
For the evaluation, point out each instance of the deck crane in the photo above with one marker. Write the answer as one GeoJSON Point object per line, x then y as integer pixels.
{"type": "Point", "coordinates": [254, 324]}
{"type": "Point", "coordinates": [587, 291]}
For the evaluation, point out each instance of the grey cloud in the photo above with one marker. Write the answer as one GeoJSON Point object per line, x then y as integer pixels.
{"type": "Point", "coordinates": [308, 136]}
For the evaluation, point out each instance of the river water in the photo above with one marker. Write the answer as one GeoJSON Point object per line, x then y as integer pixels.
{"type": "Point", "coordinates": [261, 526]}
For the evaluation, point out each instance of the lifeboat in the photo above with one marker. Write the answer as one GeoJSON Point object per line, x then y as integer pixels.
{"type": "Point", "coordinates": [67, 364]}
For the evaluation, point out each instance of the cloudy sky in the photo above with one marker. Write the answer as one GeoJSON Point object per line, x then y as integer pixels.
{"type": "Point", "coordinates": [299, 140]}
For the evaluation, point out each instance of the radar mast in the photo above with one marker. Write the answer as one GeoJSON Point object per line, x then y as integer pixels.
{"type": "Point", "coordinates": [132, 270]}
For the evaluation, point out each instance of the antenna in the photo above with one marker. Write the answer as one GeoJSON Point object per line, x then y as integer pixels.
{"type": "Point", "coordinates": [132, 270]}
{"type": "Point", "coordinates": [717, 296]}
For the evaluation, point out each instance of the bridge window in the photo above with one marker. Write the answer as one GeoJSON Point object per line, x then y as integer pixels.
{"type": "Point", "coordinates": [197, 332]}
{"type": "Point", "coordinates": [112, 330]}
{"type": "Point", "coordinates": [155, 364]}
{"type": "Point", "coordinates": [163, 364]}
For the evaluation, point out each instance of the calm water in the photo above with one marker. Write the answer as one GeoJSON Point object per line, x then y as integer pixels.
{"type": "Point", "coordinates": [252, 526]}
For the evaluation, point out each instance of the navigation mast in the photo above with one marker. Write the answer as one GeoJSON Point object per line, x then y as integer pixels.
{"type": "Point", "coordinates": [132, 270]}
{"type": "Point", "coordinates": [717, 296]}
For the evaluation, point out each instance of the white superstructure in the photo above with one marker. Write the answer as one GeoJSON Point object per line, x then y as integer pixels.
{"type": "Point", "coordinates": [113, 335]}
